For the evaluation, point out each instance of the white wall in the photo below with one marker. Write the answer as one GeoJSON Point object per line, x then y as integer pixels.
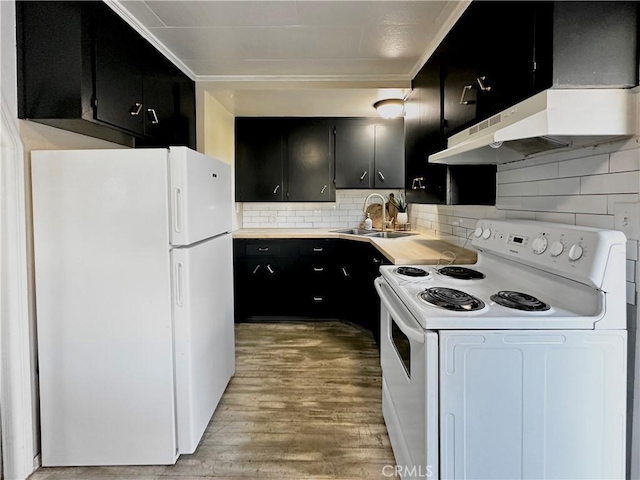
{"type": "Point", "coordinates": [218, 141]}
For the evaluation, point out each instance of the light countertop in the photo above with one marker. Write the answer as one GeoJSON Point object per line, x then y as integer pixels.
{"type": "Point", "coordinates": [416, 249]}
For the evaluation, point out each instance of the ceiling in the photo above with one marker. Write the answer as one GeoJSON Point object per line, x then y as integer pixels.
{"type": "Point", "coordinates": [281, 57]}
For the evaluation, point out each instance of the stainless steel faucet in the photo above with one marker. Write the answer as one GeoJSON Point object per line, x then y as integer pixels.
{"type": "Point", "coordinates": [384, 207]}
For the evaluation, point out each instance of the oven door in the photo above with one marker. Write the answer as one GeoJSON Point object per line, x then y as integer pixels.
{"type": "Point", "coordinates": [409, 360]}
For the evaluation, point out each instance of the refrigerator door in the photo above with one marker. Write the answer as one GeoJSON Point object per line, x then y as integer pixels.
{"type": "Point", "coordinates": [204, 333]}
{"type": "Point", "coordinates": [103, 281]}
{"type": "Point", "coordinates": [200, 196]}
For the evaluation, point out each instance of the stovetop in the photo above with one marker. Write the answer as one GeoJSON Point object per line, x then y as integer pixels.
{"type": "Point", "coordinates": [494, 288]}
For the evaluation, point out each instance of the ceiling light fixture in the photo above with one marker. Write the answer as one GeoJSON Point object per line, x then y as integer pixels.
{"type": "Point", "coordinates": [389, 108]}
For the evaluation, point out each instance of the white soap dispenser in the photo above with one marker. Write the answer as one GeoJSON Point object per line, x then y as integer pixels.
{"type": "Point", "coordinates": [368, 223]}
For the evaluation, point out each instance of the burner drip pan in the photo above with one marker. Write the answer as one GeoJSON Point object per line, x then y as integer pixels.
{"type": "Point", "coordinates": [451, 299]}
{"type": "Point", "coordinates": [519, 301]}
{"type": "Point", "coordinates": [461, 273]}
{"type": "Point", "coordinates": [411, 272]}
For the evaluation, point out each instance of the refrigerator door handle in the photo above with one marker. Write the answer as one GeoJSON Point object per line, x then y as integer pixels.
{"type": "Point", "coordinates": [179, 286]}
{"type": "Point", "coordinates": [177, 206]}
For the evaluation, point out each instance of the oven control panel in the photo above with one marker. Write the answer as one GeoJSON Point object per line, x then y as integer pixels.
{"type": "Point", "coordinates": [579, 253]}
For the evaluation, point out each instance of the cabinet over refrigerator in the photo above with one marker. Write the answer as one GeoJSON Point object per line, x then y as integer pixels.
{"type": "Point", "coordinates": [133, 259]}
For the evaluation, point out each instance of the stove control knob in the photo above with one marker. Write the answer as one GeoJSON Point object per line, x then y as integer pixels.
{"type": "Point", "coordinates": [478, 232]}
{"type": "Point", "coordinates": [575, 252]}
{"type": "Point", "coordinates": [557, 248]}
{"type": "Point", "coordinates": [539, 245]}
{"type": "Point", "coordinates": [486, 233]}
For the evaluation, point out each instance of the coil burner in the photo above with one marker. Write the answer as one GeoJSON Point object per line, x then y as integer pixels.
{"type": "Point", "coordinates": [451, 299]}
{"type": "Point", "coordinates": [461, 273]}
{"type": "Point", "coordinates": [519, 301]}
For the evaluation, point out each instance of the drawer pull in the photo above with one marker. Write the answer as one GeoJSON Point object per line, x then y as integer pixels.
{"type": "Point", "coordinates": [255, 270]}
{"type": "Point", "coordinates": [344, 272]}
{"type": "Point", "coordinates": [271, 270]}
{"type": "Point", "coordinates": [275, 190]}
{"type": "Point", "coordinates": [317, 299]}
{"type": "Point", "coordinates": [323, 189]}
{"type": "Point", "coordinates": [263, 249]}
{"type": "Point", "coordinates": [364, 174]}
{"type": "Point", "coordinates": [153, 117]}
{"type": "Point", "coordinates": [134, 111]}
{"type": "Point", "coordinates": [381, 176]}
{"type": "Point", "coordinates": [318, 249]}
{"type": "Point", "coordinates": [463, 100]}
{"type": "Point", "coordinates": [318, 269]}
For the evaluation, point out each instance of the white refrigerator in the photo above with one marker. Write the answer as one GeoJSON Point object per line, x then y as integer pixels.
{"type": "Point", "coordinates": [134, 294]}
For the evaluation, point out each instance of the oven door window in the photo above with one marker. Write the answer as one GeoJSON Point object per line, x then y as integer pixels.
{"type": "Point", "coordinates": [402, 345]}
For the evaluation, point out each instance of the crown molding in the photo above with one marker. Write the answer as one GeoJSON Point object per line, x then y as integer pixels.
{"type": "Point", "coordinates": [117, 7]}
{"type": "Point", "coordinates": [451, 20]}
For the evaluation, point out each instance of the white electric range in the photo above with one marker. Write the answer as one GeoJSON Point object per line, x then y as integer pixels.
{"type": "Point", "coordinates": [514, 367]}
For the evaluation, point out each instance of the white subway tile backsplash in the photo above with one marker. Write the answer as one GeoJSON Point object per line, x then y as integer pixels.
{"type": "Point", "coordinates": [631, 293]}
{"type": "Point", "coordinates": [632, 249]}
{"type": "Point", "coordinates": [563, 186]}
{"type": "Point", "coordinates": [582, 204]}
{"type": "Point", "coordinates": [567, 218]}
{"type": "Point", "coordinates": [627, 182]}
{"type": "Point", "coordinates": [596, 221]}
{"type": "Point", "coordinates": [511, 214]}
{"type": "Point", "coordinates": [580, 167]}
{"type": "Point", "coordinates": [624, 198]}
{"type": "Point", "coordinates": [529, 174]}
{"type": "Point", "coordinates": [518, 189]}
{"type": "Point", "coordinates": [625, 161]}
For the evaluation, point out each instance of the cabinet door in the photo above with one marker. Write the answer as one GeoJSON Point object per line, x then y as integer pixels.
{"type": "Point", "coordinates": [309, 159]}
{"type": "Point", "coordinates": [389, 155]}
{"type": "Point", "coordinates": [159, 108]}
{"type": "Point", "coordinates": [425, 182]}
{"type": "Point", "coordinates": [118, 73]}
{"type": "Point", "coordinates": [259, 160]}
{"type": "Point", "coordinates": [354, 154]}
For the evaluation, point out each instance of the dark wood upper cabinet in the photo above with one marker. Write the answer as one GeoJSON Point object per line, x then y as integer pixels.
{"type": "Point", "coordinates": [119, 91]}
{"type": "Point", "coordinates": [354, 154]}
{"type": "Point", "coordinates": [369, 153]}
{"type": "Point", "coordinates": [284, 159]}
{"type": "Point", "coordinates": [310, 163]}
{"type": "Point", "coordinates": [84, 69]}
{"type": "Point", "coordinates": [260, 156]}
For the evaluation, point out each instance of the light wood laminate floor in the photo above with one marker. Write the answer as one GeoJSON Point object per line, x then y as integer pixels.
{"type": "Point", "coordinates": [305, 403]}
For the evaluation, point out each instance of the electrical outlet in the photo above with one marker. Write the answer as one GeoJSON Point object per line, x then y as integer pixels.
{"type": "Point", "coordinates": [627, 219]}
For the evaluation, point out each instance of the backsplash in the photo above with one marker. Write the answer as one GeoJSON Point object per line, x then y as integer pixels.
{"type": "Point", "coordinates": [579, 187]}
{"type": "Point", "coordinates": [345, 212]}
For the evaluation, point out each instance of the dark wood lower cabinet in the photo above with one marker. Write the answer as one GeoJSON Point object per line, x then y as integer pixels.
{"type": "Point", "coordinates": [307, 278]}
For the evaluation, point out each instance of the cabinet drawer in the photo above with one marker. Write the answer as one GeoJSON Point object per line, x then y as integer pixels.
{"type": "Point", "coordinates": [316, 248]}
{"type": "Point", "coordinates": [271, 249]}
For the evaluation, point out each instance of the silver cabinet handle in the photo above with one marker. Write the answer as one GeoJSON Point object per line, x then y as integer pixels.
{"type": "Point", "coordinates": [417, 184]}
{"type": "Point", "coordinates": [381, 176]}
{"type": "Point", "coordinates": [275, 190]}
{"type": "Point", "coordinates": [465, 89]}
{"type": "Point", "coordinates": [263, 249]}
{"type": "Point", "coordinates": [323, 189]}
{"type": "Point", "coordinates": [134, 111]}
{"type": "Point", "coordinates": [318, 269]}
{"type": "Point", "coordinates": [483, 87]}
{"type": "Point", "coordinates": [344, 272]}
{"type": "Point", "coordinates": [153, 116]}
{"type": "Point", "coordinates": [318, 249]}
{"type": "Point", "coordinates": [271, 270]}
{"type": "Point", "coordinates": [364, 174]}
{"type": "Point", "coordinates": [255, 270]}
{"type": "Point", "coordinates": [317, 299]}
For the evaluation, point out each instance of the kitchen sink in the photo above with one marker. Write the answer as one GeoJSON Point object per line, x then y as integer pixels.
{"type": "Point", "coordinates": [353, 231]}
{"type": "Point", "coordinates": [388, 234]}
{"type": "Point", "coordinates": [369, 233]}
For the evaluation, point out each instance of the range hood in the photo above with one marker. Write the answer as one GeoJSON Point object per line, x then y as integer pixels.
{"type": "Point", "coordinates": [551, 120]}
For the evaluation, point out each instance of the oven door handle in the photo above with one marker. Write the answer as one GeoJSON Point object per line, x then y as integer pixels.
{"type": "Point", "coordinates": [397, 310]}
